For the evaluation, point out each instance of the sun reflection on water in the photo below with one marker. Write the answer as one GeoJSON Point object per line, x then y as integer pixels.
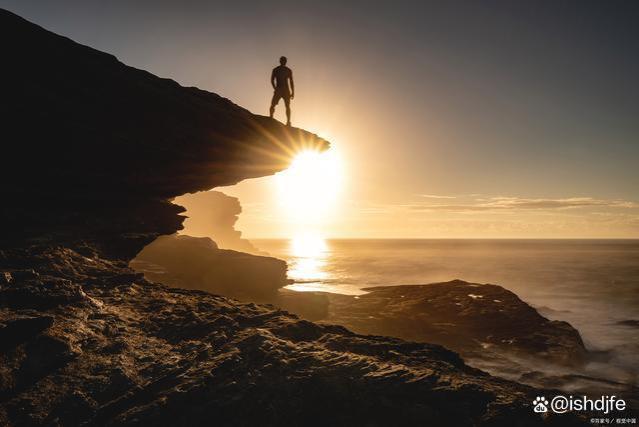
{"type": "Point", "coordinates": [308, 266]}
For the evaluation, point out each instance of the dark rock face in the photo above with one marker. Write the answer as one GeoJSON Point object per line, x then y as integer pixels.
{"type": "Point", "coordinates": [467, 317]}
{"type": "Point", "coordinates": [197, 263]}
{"type": "Point", "coordinates": [20, 329]}
{"type": "Point", "coordinates": [120, 350]}
{"type": "Point", "coordinates": [103, 146]}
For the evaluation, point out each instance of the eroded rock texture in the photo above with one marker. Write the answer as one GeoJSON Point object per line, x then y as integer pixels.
{"type": "Point", "coordinates": [92, 343]}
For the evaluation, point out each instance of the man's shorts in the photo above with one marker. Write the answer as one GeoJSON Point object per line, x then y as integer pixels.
{"type": "Point", "coordinates": [281, 94]}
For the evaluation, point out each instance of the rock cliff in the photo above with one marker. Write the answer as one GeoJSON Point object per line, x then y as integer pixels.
{"type": "Point", "coordinates": [94, 149]}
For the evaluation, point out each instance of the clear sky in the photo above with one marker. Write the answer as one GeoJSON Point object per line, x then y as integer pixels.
{"type": "Point", "coordinates": [451, 118]}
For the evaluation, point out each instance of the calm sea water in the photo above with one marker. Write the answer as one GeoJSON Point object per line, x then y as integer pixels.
{"type": "Point", "coordinates": [593, 284]}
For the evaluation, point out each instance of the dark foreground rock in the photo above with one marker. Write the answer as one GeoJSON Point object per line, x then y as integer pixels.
{"type": "Point", "coordinates": [115, 349]}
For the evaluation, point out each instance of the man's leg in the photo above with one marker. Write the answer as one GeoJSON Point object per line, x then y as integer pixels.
{"type": "Point", "coordinates": [287, 102]}
{"type": "Point", "coordinates": [274, 102]}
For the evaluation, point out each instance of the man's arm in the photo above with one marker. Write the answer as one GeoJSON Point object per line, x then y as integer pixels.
{"type": "Point", "coordinates": [292, 84]}
{"type": "Point", "coordinates": [273, 78]}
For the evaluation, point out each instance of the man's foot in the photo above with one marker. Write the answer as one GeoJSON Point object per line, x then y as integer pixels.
{"type": "Point", "coordinates": [288, 123]}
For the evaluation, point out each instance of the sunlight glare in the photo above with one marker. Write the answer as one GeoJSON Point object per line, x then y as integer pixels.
{"type": "Point", "coordinates": [309, 188]}
{"type": "Point", "coordinates": [309, 267]}
{"type": "Point", "coordinates": [309, 251]}
{"type": "Point", "coordinates": [308, 246]}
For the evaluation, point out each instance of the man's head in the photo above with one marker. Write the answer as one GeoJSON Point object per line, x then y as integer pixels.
{"type": "Point", "coordinates": [283, 60]}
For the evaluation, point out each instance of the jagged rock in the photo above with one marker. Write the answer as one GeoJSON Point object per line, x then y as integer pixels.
{"type": "Point", "coordinates": [42, 295]}
{"type": "Point", "coordinates": [470, 318]}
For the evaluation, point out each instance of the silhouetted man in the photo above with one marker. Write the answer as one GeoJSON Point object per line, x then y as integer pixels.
{"type": "Point", "coordinates": [279, 80]}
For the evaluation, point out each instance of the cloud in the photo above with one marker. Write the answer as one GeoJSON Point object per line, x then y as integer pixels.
{"type": "Point", "coordinates": [518, 203]}
{"type": "Point", "coordinates": [434, 196]}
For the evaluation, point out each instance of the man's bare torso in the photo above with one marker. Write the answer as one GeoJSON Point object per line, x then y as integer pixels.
{"type": "Point", "coordinates": [282, 75]}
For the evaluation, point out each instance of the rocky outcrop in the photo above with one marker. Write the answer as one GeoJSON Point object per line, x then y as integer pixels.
{"type": "Point", "coordinates": [111, 348]}
{"type": "Point", "coordinates": [474, 319]}
{"type": "Point", "coordinates": [197, 263]}
{"type": "Point", "coordinates": [93, 150]}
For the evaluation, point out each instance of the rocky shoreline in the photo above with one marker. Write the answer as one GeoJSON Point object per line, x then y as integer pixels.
{"type": "Point", "coordinates": [88, 341]}
{"type": "Point", "coordinates": [471, 318]}
{"type": "Point", "coordinates": [489, 326]}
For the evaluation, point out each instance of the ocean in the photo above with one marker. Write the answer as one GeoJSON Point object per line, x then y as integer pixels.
{"type": "Point", "coordinates": [593, 284]}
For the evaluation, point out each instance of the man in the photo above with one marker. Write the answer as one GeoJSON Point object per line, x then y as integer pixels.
{"type": "Point", "coordinates": [280, 78]}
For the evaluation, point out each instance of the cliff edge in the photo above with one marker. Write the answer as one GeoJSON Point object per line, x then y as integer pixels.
{"type": "Point", "coordinates": [94, 149]}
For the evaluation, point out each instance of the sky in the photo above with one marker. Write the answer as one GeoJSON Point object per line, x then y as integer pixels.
{"type": "Point", "coordinates": [450, 119]}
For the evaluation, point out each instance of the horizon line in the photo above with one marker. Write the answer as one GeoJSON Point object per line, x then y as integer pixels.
{"type": "Point", "coordinates": [448, 238]}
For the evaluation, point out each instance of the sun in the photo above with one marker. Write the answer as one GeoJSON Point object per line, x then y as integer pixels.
{"type": "Point", "coordinates": [309, 189]}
